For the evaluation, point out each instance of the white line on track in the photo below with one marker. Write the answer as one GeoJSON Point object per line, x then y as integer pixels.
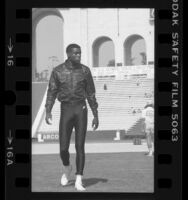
{"type": "Point", "coordinates": [53, 148]}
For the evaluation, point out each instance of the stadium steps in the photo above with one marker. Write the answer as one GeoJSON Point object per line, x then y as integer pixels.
{"type": "Point", "coordinates": [136, 130]}
{"type": "Point", "coordinates": [115, 105]}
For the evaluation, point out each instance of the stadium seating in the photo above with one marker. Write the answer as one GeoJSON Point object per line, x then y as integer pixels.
{"type": "Point", "coordinates": [118, 100]}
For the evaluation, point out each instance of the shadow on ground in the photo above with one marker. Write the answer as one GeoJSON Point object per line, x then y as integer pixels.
{"type": "Point", "coordinates": [89, 181]}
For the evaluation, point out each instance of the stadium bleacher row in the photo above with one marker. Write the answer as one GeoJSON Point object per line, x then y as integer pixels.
{"type": "Point", "coordinates": [116, 99]}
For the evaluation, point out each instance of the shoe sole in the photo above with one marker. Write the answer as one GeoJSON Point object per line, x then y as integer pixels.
{"type": "Point", "coordinates": [66, 184]}
{"type": "Point", "coordinates": [80, 190]}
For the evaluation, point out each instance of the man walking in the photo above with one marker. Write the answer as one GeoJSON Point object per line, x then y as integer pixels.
{"type": "Point", "coordinates": [71, 83]}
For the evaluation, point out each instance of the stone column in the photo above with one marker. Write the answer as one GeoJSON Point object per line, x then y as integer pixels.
{"type": "Point", "coordinates": [118, 51]}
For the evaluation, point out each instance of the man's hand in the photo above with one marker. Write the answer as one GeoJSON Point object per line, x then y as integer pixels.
{"type": "Point", "coordinates": [48, 118]}
{"type": "Point", "coordinates": [95, 123]}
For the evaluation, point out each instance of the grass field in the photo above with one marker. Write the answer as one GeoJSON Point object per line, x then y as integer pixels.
{"type": "Point", "coordinates": [104, 172]}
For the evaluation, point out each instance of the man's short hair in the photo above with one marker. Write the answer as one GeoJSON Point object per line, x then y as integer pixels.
{"type": "Point", "coordinates": [71, 46]}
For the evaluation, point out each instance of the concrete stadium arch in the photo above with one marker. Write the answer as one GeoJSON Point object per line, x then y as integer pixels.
{"type": "Point", "coordinates": [103, 52]}
{"type": "Point", "coordinates": [135, 50]}
{"type": "Point", "coordinates": [37, 15]}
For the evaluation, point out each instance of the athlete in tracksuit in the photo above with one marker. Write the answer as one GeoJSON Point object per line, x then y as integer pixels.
{"type": "Point", "coordinates": [72, 83]}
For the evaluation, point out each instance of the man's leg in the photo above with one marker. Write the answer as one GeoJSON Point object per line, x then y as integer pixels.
{"type": "Point", "coordinates": [152, 139]}
{"type": "Point", "coordinates": [65, 130]}
{"type": "Point", "coordinates": [149, 140]}
{"type": "Point", "coordinates": [80, 134]}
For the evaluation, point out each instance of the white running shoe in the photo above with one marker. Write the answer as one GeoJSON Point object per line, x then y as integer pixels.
{"type": "Point", "coordinates": [65, 176]}
{"type": "Point", "coordinates": [150, 153]}
{"type": "Point", "coordinates": [79, 186]}
{"type": "Point", "coordinates": [64, 180]}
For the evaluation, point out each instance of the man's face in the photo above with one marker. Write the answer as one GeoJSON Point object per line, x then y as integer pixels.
{"type": "Point", "coordinates": [75, 55]}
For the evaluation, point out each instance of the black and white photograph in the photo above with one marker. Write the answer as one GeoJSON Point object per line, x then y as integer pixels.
{"type": "Point", "coordinates": [93, 74]}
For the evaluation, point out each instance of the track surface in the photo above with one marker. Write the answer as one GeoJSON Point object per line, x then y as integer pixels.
{"type": "Point", "coordinates": [104, 172]}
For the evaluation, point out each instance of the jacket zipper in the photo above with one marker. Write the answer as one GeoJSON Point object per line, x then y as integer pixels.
{"type": "Point", "coordinates": [71, 79]}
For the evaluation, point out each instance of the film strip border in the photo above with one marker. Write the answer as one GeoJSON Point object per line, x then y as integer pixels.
{"type": "Point", "coordinates": [18, 109]}
{"type": "Point", "coordinates": [18, 104]}
{"type": "Point", "coordinates": [168, 104]}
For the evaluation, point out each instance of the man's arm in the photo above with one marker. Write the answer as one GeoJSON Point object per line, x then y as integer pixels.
{"type": "Point", "coordinates": [51, 96]}
{"type": "Point", "coordinates": [90, 92]}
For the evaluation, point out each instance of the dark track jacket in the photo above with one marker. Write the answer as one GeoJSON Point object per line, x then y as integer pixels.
{"type": "Point", "coordinates": [70, 84]}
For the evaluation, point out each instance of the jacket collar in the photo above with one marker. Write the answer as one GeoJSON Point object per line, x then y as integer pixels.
{"type": "Point", "coordinates": [69, 64]}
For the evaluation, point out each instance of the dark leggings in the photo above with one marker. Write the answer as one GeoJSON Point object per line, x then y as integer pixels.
{"type": "Point", "coordinates": [73, 116]}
